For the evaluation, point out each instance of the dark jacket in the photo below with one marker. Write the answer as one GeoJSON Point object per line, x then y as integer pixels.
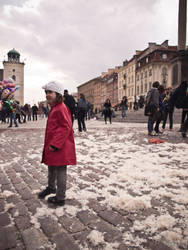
{"type": "Point", "coordinates": [179, 99]}
{"type": "Point", "coordinates": [70, 103]}
{"type": "Point", "coordinates": [152, 97]}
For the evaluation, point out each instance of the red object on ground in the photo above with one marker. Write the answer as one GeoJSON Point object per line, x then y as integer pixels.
{"type": "Point", "coordinates": [156, 140]}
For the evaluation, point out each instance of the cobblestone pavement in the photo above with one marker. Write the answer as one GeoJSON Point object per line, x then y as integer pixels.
{"type": "Point", "coordinates": [123, 194]}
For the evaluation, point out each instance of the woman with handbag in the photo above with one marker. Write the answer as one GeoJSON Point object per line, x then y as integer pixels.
{"type": "Point", "coordinates": [159, 114]}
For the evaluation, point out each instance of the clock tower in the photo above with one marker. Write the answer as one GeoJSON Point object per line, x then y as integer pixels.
{"type": "Point", "coordinates": [14, 69]}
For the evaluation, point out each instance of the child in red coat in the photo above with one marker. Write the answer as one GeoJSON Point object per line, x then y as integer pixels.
{"type": "Point", "coordinates": [59, 146]}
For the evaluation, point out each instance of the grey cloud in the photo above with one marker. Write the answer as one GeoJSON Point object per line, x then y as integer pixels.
{"type": "Point", "coordinates": [12, 2]}
{"type": "Point", "coordinates": [84, 38]}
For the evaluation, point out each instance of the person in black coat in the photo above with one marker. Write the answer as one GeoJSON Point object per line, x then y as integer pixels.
{"type": "Point", "coordinates": [107, 111]}
{"type": "Point", "coordinates": [179, 99]}
{"type": "Point", "coordinates": [70, 103]}
{"type": "Point", "coordinates": [34, 112]}
{"type": "Point", "coordinates": [81, 113]}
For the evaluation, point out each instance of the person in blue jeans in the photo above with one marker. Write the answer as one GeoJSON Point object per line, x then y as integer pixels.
{"type": "Point", "coordinates": [12, 117]}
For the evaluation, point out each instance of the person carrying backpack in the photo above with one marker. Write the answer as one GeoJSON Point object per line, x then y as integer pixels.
{"type": "Point", "coordinates": [81, 113]}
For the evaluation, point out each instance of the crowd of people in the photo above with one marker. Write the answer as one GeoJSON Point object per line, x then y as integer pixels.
{"type": "Point", "coordinates": [160, 104]}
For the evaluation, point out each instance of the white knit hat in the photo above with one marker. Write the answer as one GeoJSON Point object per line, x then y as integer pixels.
{"type": "Point", "coordinates": [54, 86]}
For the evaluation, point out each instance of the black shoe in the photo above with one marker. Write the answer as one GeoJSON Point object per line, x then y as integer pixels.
{"type": "Point", "coordinates": [184, 134]}
{"type": "Point", "coordinates": [55, 201]}
{"type": "Point", "coordinates": [46, 192]}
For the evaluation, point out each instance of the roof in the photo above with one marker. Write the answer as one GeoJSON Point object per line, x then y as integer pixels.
{"type": "Point", "coordinates": [13, 51]}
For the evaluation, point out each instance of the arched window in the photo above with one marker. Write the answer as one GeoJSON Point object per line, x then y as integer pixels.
{"type": "Point", "coordinates": [164, 71]}
{"type": "Point", "coordinates": [14, 77]}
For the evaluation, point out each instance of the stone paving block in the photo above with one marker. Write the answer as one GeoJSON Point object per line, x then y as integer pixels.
{"type": "Point", "coordinates": [8, 238]}
{"type": "Point", "coordinates": [4, 219]}
{"type": "Point", "coordinates": [17, 180]}
{"type": "Point", "coordinates": [115, 218]}
{"type": "Point", "coordinates": [26, 194]}
{"type": "Point", "coordinates": [71, 224]}
{"type": "Point", "coordinates": [22, 222]}
{"type": "Point", "coordinates": [111, 234]}
{"type": "Point", "coordinates": [96, 206]}
{"type": "Point", "coordinates": [4, 180]}
{"type": "Point", "coordinates": [33, 239]}
{"type": "Point", "coordinates": [49, 226]}
{"type": "Point", "coordinates": [2, 205]}
{"type": "Point", "coordinates": [64, 242]}
{"type": "Point", "coordinates": [20, 186]}
{"type": "Point", "coordinates": [73, 202]}
{"type": "Point", "coordinates": [19, 208]}
{"type": "Point", "coordinates": [81, 237]}
{"type": "Point", "coordinates": [87, 217]}
{"type": "Point", "coordinates": [32, 205]}
{"type": "Point", "coordinates": [156, 245]}
{"type": "Point", "coordinates": [13, 199]}
{"type": "Point", "coordinates": [7, 187]}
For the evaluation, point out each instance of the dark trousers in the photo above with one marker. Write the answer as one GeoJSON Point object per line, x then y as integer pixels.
{"type": "Point", "coordinates": [166, 114]}
{"type": "Point", "coordinates": [81, 120]}
{"type": "Point", "coordinates": [185, 125]}
{"type": "Point", "coordinates": [34, 117]}
{"type": "Point", "coordinates": [57, 175]}
{"type": "Point", "coordinates": [108, 116]}
{"type": "Point", "coordinates": [183, 116]}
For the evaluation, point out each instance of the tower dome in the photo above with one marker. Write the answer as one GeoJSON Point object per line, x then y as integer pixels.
{"type": "Point", "coordinates": [13, 56]}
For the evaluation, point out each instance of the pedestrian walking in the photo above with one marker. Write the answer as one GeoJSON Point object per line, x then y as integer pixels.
{"type": "Point", "coordinates": [81, 113]}
{"type": "Point", "coordinates": [34, 112]}
{"type": "Point", "coordinates": [124, 106]}
{"type": "Point", "coordinates": [160, 114]}
{"type": "Point", "coordinates": [169, 109]}
{"type": "Point", "coordinates": [59, 146]}
{"type": "Point", "coordinates": [152, 106]}
{"type": "Point", "coordinates": [107, 111]}
{"type": "Point", "coordinates": [70, 103]}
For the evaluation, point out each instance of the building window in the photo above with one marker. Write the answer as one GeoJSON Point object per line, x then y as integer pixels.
{"type": "Point", "coordinates": [14, 77]}
{"type": "Point", "coordinates": [141, 75]}
{"type": "Point", "coordinates": [147, 60]}
{"type": "Point", "coordinates": [150, 72]}
{"type": "Point", "coordinates": [137, 77]}
{"type": "Point", "coordinates": [164, 71]}
{"type": "Point", "coordinates": [141, 88]}
{"type": "Point", "coordinates": [138, 90]}
{"type": "Point", "coordinates": [164, 56]}
{"type": "Point", "coordinates": [145, 90]}
{"type": "Point", "coordinates": [146, 73]}
{"type": "Point", "coordinates": [149, 85]}
{"type": "Point", "coordinates": [13, 70]}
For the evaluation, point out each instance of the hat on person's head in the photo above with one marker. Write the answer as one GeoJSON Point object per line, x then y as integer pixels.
{"type": "Point", "coordinates": [54, 86]}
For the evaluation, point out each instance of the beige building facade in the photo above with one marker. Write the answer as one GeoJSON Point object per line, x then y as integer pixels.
{"type": "Point", "coordinates": [154, 64]}
{"type": "Point", "coordinates": [14, 69]}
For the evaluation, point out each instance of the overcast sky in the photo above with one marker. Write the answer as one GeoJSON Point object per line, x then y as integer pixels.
{"type": "Point", "coordinates": [73, 41]}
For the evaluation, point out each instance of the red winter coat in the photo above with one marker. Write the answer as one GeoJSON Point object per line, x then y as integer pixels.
{"type": "Point", "coordinates": [59, 133]}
